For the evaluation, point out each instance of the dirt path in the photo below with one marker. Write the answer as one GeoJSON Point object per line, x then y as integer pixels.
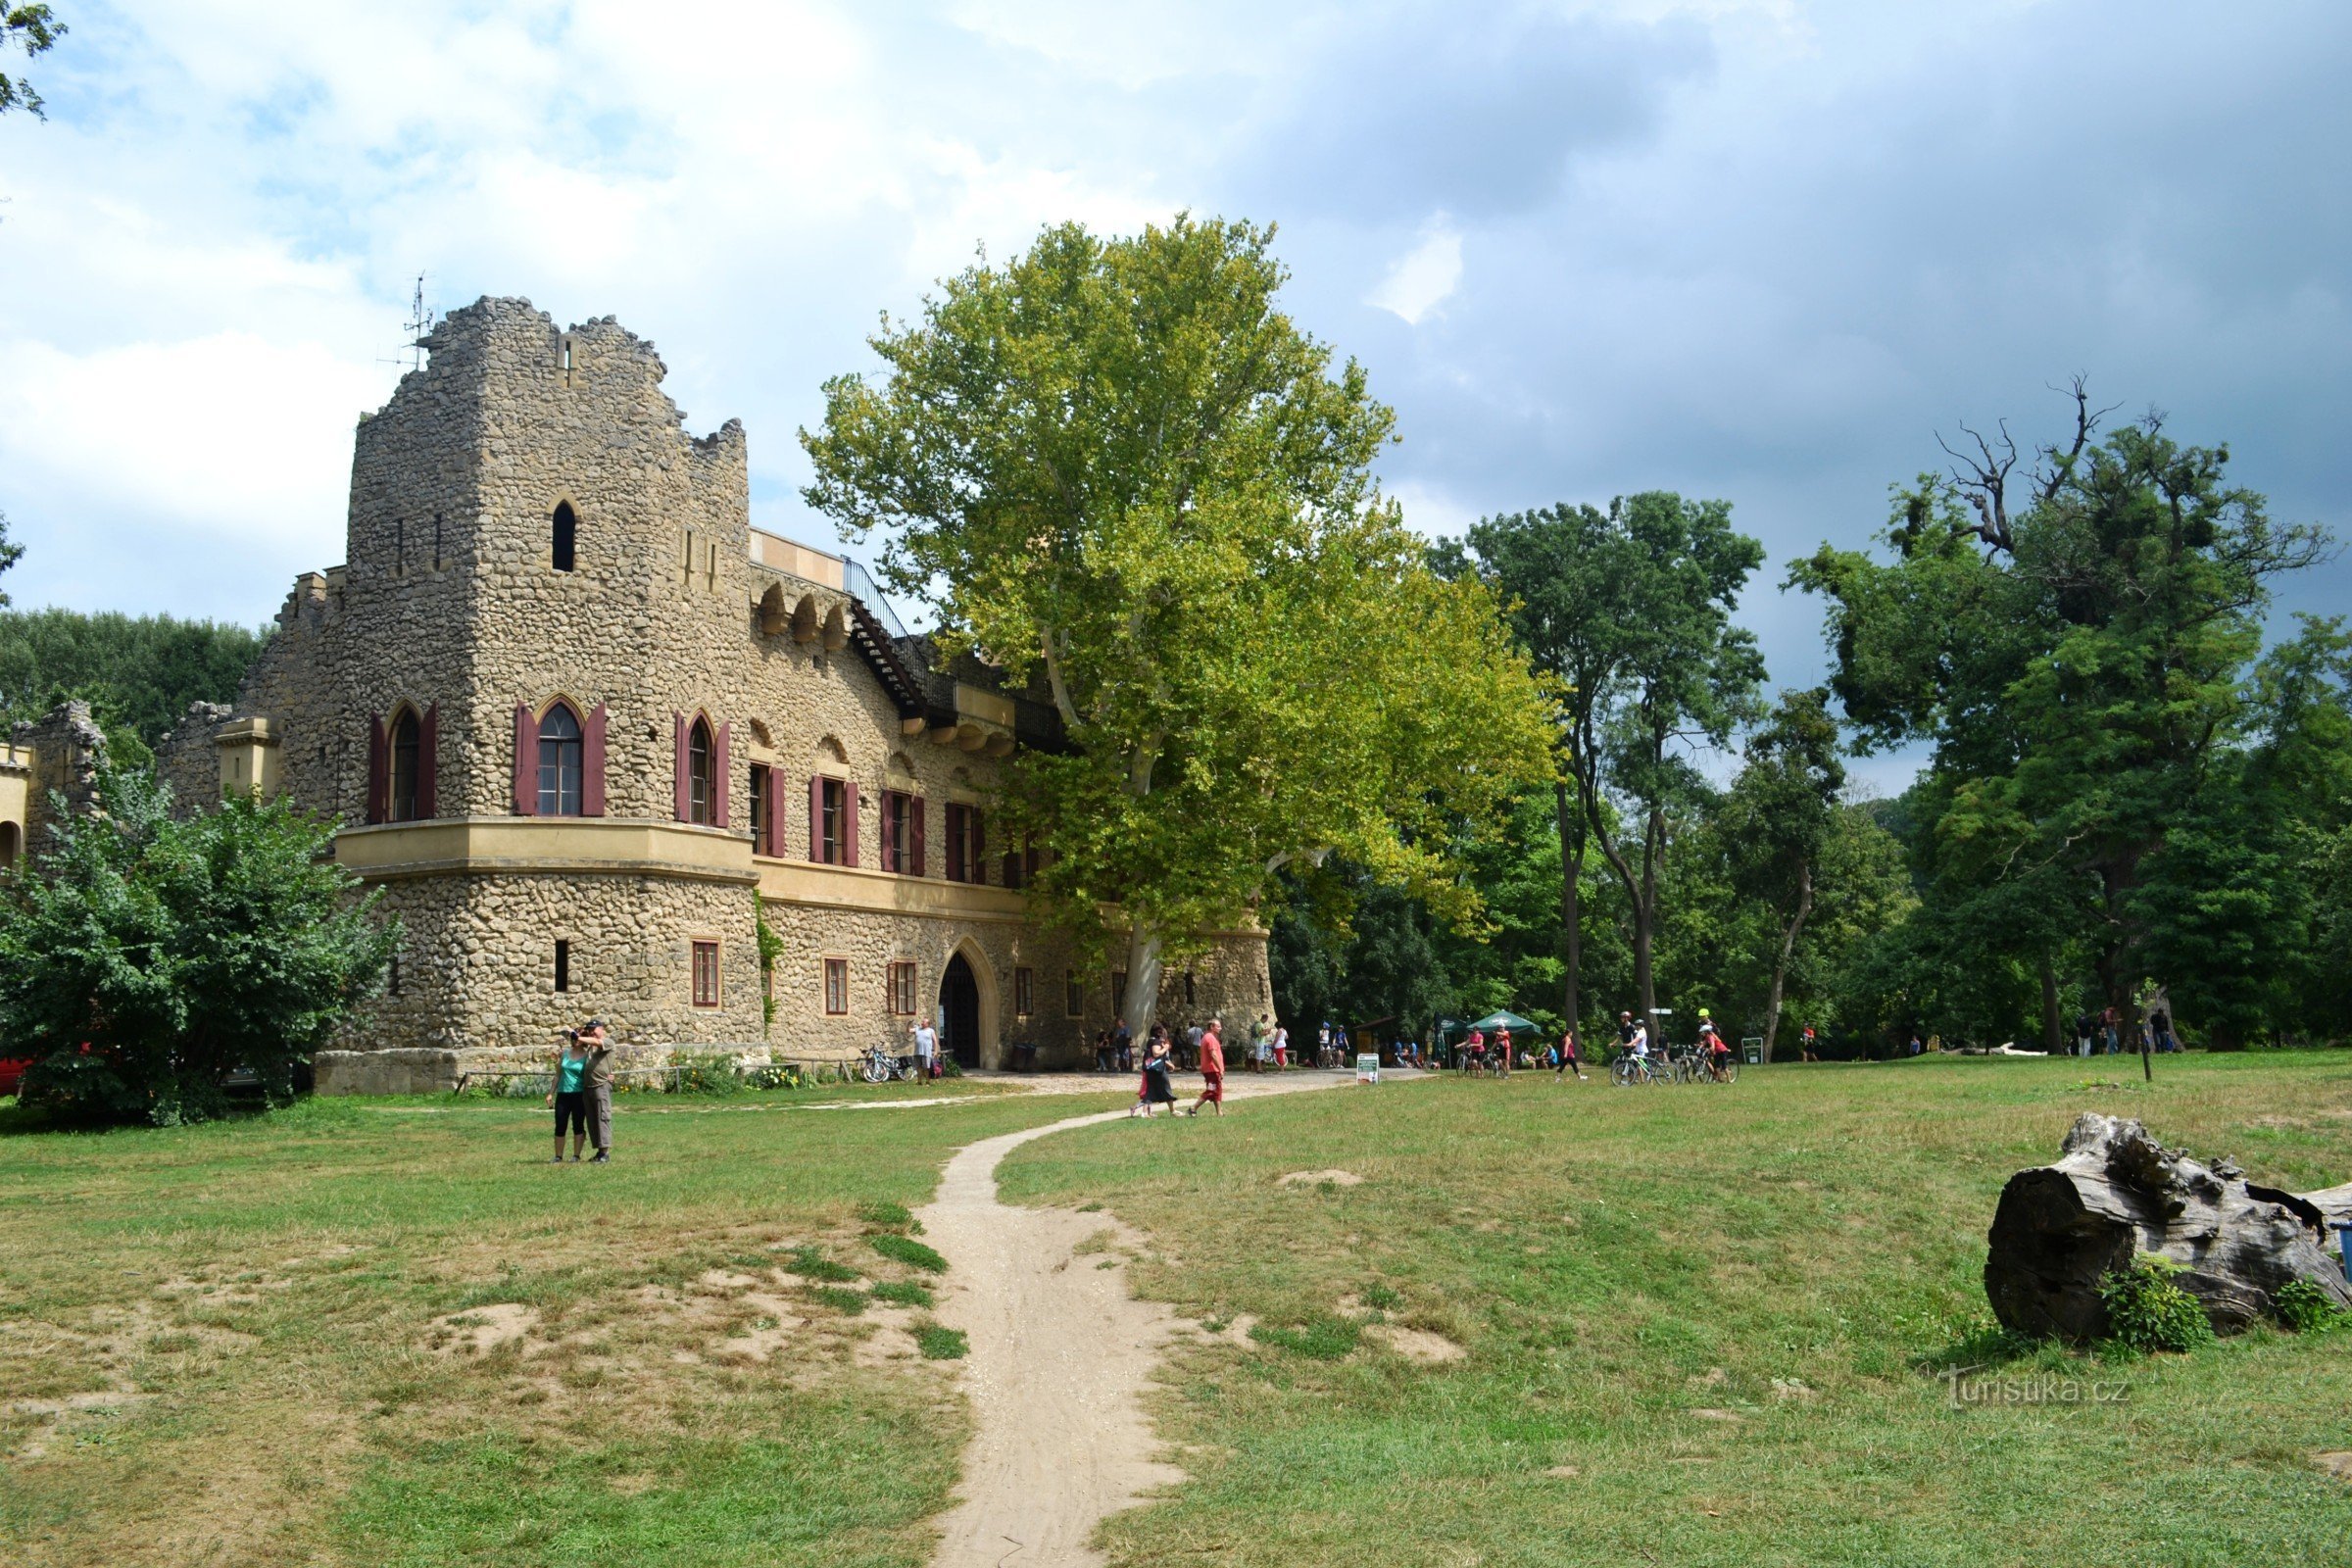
{"type": "Point", "coordinates": [1059, 1354]}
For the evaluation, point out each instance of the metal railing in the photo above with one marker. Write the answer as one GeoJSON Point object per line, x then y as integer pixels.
{"type": "Point", "coordinates": [860, 582]}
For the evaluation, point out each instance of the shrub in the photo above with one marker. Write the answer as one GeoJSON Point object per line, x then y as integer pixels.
{"type": "Point", "coordinates": [909, 1251]}
{"type": "Point", "coordinates": [713, 1074]}
{"type": "Point", "coordinates": [810, 1264]}
{"type": "Point", "coordinates": [151, 958]}
{"type": "Point", "coordinates": [939, 1342]}
{"type": "Point", "coordinates": [1322, 1339]}
{"type": "Point", "coordinates": [2146, 1311]}
{"type": "Point", "coordinates": [2305, 1308]}
{"type": "Point", "coordinates": [905, 1293]}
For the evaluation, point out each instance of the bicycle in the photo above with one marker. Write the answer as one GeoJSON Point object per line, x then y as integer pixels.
{"type": "Point", "coordinates": [1628, 1069]}
{"type": "Point", "coordinates": [879, 1067]}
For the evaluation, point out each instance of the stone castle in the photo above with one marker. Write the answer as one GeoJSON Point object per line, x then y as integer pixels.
{"type": "Point", "coordinates": [574, 712]}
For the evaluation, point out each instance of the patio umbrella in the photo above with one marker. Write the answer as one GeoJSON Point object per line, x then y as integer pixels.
{"type": "Point", "coordinates": [1505, 1020]}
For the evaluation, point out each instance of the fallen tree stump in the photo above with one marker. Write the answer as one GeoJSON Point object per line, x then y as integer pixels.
{"type": "Point", "coordinates": [2116, 1192]}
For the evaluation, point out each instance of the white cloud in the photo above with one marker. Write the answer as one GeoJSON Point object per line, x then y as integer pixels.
{"type": "Point", "coordinates": [1424, 276]}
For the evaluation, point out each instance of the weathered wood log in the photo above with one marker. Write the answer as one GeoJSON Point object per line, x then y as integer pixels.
{"type": "Point", "coordinates": [2115, 1193]}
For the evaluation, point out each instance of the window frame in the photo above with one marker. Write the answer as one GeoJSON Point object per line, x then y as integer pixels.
{"type": "Point", "coordinates": [408, 723]}
{"type": "Point", "coordinates": [701, 749]}
{"type": "Point", "coordinates": [899, 988]}
{"type": "Point", "coordinates": [697, 948]}
{"type": "Point", "coordinates": [563, 975]}
{"type": "Point", "coordinates": [576, 745]}
{"type": "Point", "coordinates": [1073, 995]}
{"type": "Point", "coordinates": [1024, 993]}
{"type": "Point", "coordinates": [833, 978]}
{"type": "Point", "coordinates": [833, 808]}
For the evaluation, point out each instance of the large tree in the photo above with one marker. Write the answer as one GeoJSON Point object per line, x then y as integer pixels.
{"type": "Point", "coordinates": [1778, 817]}
{"type": "Point", "coordinates": [2074, 637]}
{"type": "Point", "coordinates": [1115, 464]}
{"type": "Point", "coordinates": [1629, 612]}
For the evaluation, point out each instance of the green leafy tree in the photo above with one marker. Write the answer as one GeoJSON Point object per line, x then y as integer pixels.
{"type": "Point", "coordinates": [35, 29]}
{"type": "Point", "coordinates": [2077, 649]}
{"type": "Point", "coordinates": [1778, 817]}
{"type": "Point", "coordinates": [1116, 466]}
{"type": "Point", "coordinates": [10, 554]}
{"type": "Point", "coordinates": [151, 957]}
{"type": "Point", "coordinates": [138, 672]}
{"type": "Point", "coordinates": [1629, 613]}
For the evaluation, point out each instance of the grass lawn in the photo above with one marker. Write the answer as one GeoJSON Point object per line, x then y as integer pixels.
{"type": "Point", "coordinates": [1703, 1325]}
{"type": "Point", "coordinates": [388, 1333]}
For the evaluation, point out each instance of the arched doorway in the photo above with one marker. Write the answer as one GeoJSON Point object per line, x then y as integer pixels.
{"type": "Point", "coordinates": [959, 1012]}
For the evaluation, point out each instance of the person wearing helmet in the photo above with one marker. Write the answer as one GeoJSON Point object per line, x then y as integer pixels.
{"type": "Point", "coordinates": [1711, 1041]}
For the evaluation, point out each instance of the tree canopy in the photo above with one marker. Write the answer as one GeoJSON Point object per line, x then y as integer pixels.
{"type": "Point", "coordinates": [138, 672]}
{"type": "Point", "coordinates": [151, 958]}
{"type": "Point", "coordinates": [1116, 466]}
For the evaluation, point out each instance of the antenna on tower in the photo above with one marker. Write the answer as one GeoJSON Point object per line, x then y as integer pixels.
{"type": "Point", "coordinates": [420, 320]}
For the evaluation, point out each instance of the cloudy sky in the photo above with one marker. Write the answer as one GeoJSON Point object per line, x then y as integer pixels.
{"type": "Point", "coordinates": [1757, 249]}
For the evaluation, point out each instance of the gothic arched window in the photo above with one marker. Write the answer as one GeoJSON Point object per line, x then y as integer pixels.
{"type": "Point", "coordinates": [699, 796]}
{"type": "Point", "coordinates": [560, 770]}
{"type": "Point", "coordinates": [567, 527]}
{"type": "Point", "coordinates": [406, 749]}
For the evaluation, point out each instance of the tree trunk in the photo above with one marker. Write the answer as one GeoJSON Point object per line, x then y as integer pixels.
{"type": "Point", "coordinates": [1646, 925]}
{"type": "Point", "coordinates": [1572, 869]}
{"type": "Point", "coordinates": [2053, 1027]}
{"type": "Point", "coordinates": [1780, 967]}
{"type": "Point", "coordinates": [1141, 1003]}
{"type": "Point", "coordinates": [2115, 1193]}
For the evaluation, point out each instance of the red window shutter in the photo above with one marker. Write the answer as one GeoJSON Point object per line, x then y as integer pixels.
{"type": "Point", "coordinates": [914, 816]}
{"type": "Point", "coordinates": [376, 781]}
{"type": "Point", "coordinates": [428, 763]}
{"type": "Point", "coordinates": [685, 784]}
{"type": "Point", "coordinates": [592, 763]}
{"type": "Point", "coordinates": [816, 817]}
{"type": "Point", "coordinates": [526, 761]}
{"type": "Point", "coordinates": [849, 824]}
{"type": "Point", "coordinates": [953, 822]}
{"type": "Point", "coordinates": [718, 776]}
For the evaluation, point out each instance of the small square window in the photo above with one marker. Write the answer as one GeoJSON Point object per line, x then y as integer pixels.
{"type": "Point", "coordinates": [705, 974]}
{"type": "Point", "coordinates": [1024, 993]}
{"type": "Point", "coordinates": [837, 986]}
{"type": "Point", "coordinates": [901, 990]}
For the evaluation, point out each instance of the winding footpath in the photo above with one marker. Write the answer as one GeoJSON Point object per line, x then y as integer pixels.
{"type": "Point", "coordinates": [1059, 1353]}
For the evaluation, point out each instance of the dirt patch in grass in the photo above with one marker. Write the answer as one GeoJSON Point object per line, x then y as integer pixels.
{"type": "Point", "coordinates": [1416, 1345]}
{"type": "Point", "coordinates": [1319, 1178]}
{"type": "Point", "coordinates": [479, 1330]}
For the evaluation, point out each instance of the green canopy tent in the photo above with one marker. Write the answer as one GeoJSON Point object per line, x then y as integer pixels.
{"type": "Point", "coordinates": [1505, 1020]}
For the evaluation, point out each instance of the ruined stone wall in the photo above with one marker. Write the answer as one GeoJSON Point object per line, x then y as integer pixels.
{"type": "Point", "coordinates": [69, 750]}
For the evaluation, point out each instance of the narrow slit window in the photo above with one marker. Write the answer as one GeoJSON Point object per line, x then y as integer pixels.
{"type": "Point", "coordinates": [562, 964]}
{"type": "Point", "coordinates": [567, 535]}
{"type": "Point", "coordinates": [1024, 993]}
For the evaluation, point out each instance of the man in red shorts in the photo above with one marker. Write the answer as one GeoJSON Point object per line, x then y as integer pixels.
{"type": "Point", "coordinates": [1212, 1069]}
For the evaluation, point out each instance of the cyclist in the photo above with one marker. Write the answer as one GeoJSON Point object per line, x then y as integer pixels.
{"type": "Point", "coordinates": [1718, 1049]}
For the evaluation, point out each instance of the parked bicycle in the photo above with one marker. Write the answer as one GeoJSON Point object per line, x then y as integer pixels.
{"type": "Point", "coordinates": [880, 1067]}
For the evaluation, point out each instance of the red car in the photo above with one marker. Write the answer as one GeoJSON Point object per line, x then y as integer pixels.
{"type": "Point", "coordinates": [12, 1073]}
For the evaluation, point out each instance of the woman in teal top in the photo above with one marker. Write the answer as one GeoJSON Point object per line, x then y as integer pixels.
{"type": "Point", "coordinates": [570, 1097]}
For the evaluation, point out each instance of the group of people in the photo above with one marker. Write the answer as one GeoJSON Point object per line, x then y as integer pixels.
{"type": "Point", "coordinates": [1501, 1054]}
{"type": "Point", "coordinates": [581, 1095]}
{"type": "Point", "coordinates": [1159, 1085]}
{"type": "Point", "coordinates": [1269, 1047]}
{"type": "Point", "coordinates": [2105, 1028]}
